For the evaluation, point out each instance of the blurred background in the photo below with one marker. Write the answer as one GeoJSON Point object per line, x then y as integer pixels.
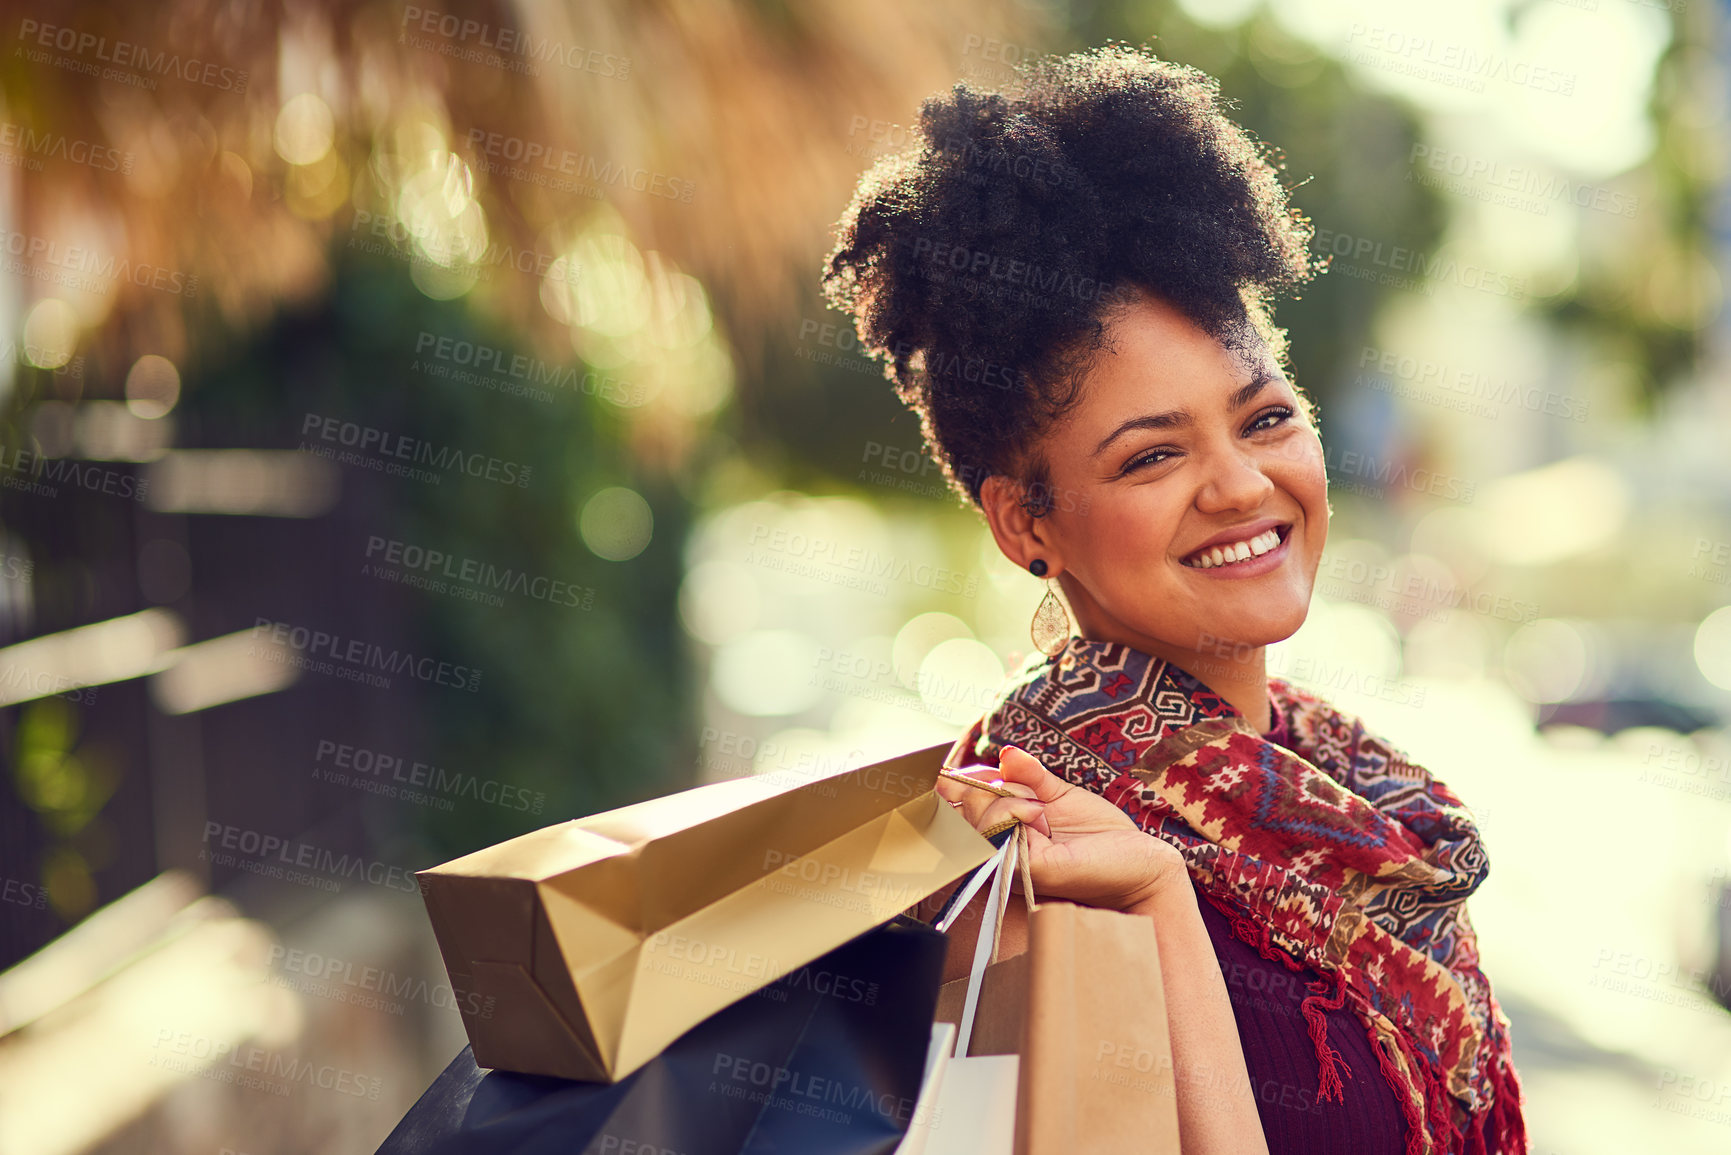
{"type": "Point", "coordinates": [420, 424]}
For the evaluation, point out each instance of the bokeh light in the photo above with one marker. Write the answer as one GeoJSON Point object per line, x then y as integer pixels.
{"type": "Point", "coordinates": [50, 333]}
{"type": "Point", "coordinates": [766, 673]}
{"type": "Point", "coordinates": [305, 129]}
{"type": "Point", "coordinates": [616, 523]}
{"type": "Point", "coordinates": [1713, 647]}
{"type": "Point", "coordinates": [152, 386]}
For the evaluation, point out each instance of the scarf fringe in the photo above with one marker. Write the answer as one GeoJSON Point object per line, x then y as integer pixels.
{"type": "Point", "coordinates": [1329, 1063]}
{"type": "Point", "coordinates": [1501, 1130]}
{"type": "Point", "coordinates": [1437, 1114]}
{"type": "Point", "coordinates": [1391, 1073]}
{"type": "Point", "coordinates": [1433, 1119]}
{"type": "Point", "coordinates": [1507, 1126]}
{"type": "Point", "coordinates": [1436, 1123]}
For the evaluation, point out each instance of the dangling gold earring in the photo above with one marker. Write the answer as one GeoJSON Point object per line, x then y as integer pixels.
{"type": "Point", "coordinates": [1050, 629]}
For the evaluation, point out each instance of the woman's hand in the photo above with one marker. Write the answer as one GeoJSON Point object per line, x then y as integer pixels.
{"type": "Point", "coordinates": [1081, 847]}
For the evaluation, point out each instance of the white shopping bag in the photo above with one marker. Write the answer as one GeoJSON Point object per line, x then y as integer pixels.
{"type": "Point", "coordinates": [967, 1103]}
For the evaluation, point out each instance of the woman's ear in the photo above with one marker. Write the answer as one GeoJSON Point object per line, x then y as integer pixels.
{"type": "Point", "coordinates": [1020, 535]}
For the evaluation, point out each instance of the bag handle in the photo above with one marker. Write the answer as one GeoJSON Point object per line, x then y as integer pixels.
{"type": "Point", "coordinates": [997, 835]}
{"type": "Point", "coordinates": [986, 946]}
{"type": "Point", "coordinates": [1011, 858]}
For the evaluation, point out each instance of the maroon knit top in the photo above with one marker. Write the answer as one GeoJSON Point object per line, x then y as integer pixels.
{"type": "Point", "coordinates": [1281, 1058]}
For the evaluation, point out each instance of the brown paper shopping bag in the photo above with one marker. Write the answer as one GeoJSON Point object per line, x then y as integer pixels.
{"type": "Point", "coordinates": [1085, 1011]}
{"type": "Point", "coordinates": [583, 949]}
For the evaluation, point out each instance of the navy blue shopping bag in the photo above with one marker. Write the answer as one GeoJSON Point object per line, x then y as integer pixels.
{"type": "Point", "coordinates": [826, 1061]}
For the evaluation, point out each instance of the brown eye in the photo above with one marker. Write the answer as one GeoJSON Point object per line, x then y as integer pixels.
{"type": "Point", "coordinates": [1152, 457]}
{"type": "Point", "coordinates": [1269, 419]}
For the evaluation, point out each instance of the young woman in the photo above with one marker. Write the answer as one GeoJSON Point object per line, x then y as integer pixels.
{"type": "Point", "coordinates": [1071, 287]}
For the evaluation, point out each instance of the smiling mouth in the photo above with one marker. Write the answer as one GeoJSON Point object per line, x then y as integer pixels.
{"type": "Point", "coordinates": [1239, 551]}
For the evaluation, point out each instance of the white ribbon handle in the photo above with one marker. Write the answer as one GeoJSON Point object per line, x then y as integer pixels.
{"type": "Point", "coordinates": [1001, 869]}
{"type": "Point", "coordinates": [979, 879]}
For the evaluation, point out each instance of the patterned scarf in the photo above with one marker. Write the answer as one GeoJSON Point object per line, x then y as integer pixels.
{"type": "Point", "coordinates": [1349, 859]}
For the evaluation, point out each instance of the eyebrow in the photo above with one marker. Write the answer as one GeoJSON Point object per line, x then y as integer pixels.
{"type": "Point", "coordinates": [1181, 418]}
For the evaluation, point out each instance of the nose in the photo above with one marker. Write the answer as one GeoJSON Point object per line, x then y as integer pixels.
{"type": "Point", "coordinates": [1233, 481]}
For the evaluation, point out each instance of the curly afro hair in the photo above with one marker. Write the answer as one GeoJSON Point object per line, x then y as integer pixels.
{"type": "Point", "coordinates": [982, 263]}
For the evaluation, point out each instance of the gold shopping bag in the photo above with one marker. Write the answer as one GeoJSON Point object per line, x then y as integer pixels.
{"type": "Point", "coordinates": [583, 949]}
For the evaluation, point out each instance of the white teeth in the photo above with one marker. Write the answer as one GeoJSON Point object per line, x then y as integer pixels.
{"type": "Point", "coordinates": [1235, 552]}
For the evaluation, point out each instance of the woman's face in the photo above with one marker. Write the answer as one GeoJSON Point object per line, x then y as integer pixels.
{"type": "Point", "coordinates": [1176, 446]}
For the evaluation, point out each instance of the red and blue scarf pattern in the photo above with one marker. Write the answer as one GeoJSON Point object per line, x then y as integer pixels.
{"type": "Point", "coordinates": [1338, 853]}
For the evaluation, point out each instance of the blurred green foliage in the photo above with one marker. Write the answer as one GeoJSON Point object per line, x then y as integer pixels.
{"type": "Point", "coordinates": [592, 707]}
